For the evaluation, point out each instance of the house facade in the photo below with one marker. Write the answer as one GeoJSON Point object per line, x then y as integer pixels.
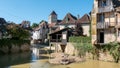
{"type": "Point", "coordinates": [40, 33]}
{"type": "Point", "coordinates": [25, 24]}
{"type": "Point", "coordinates": [61, 30]}
{"type": "Point", "coordinates": [69, 21]}
{"type": "Point", "coordinates": [105, 21]}
{"type": "Point", "coordinates": [59, 38]}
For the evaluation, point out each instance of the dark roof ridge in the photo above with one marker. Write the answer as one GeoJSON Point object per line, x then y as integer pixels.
{"type": "Point", "coordinates": [72, 15]}
{"type": "Point", "coordinates": [53, 13]}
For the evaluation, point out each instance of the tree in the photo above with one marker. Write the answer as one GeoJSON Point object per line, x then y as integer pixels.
{"type": "Point", "coordinates": [17, 32]}
{"type": "Point", "coordinates": [34, 25]}
{"type": "Point", "coordinates": [78, 31]}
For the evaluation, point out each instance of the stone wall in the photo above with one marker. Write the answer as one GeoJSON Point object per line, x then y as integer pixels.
{"type": "Point", "coordinates": [86, 29]}
{"type": "Point", "coordinates": [109, 36]}
{"type": "Point", "coordinates": [105, 56]}
{"type": "Point", "coordinates": [70, 49]}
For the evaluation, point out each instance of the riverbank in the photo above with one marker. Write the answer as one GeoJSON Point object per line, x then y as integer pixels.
{"type": "Point", "coordinates": [8, 46]}
{"type": "Point", "coordinates": [43, 63]}
{"type": "Point", "coordinates": [39, 59]}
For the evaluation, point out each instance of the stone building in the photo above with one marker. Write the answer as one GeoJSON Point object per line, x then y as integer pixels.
{"type": "Point", "coordinates": [69, 21]}
{"type": "Point", "coordinates": [105, 22]}
{"type": "Point", "coordinates": [40, 33]}
{"type": "Point", "coordinates": [25, 24]}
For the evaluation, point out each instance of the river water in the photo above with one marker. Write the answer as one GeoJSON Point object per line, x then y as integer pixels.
{"type": "Point", "coordinates": [38, 59]}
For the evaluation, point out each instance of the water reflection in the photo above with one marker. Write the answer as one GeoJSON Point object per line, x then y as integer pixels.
{"type": "Point", "coordinates": [14, 59]}
{"type": "Point", "coordinates": [35, 54]}
{"type": "Point", "coordinates": [21, 58]}
{"type": "Point", "coordinates": [37, 59]}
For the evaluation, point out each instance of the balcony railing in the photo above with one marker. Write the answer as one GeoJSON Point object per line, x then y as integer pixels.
{"type": "Point", "coordinates": [105, 9]}
{"type": "Point", "coordinates": [105, 25]}
{"type": "Point", "coordinates": [102, 25]}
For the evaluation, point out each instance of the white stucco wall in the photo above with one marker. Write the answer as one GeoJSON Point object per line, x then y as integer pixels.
{"type": "Point", "coordinates": [86, 29]}
{"type": "Point", "coordinates": [36, 35]}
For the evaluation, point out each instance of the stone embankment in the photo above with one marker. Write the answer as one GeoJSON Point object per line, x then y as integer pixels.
{"type": "Point", "coordinates": [61, 58]}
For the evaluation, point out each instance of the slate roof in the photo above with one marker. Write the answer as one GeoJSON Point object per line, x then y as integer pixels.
{"type": "Point", "coordinates": [53, 13]}
{"type": "Point", "coordinates": [59, 31]}
{"type": "Point", "coordinates": [84, 19]}
{"type": "Point", "coordinates": [68, 19]}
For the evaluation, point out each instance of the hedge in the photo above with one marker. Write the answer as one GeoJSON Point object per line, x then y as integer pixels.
{"type": "Point", "coordinates": [80, 39]}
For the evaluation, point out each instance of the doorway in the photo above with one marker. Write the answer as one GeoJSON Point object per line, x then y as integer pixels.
{"type": "Point", "coordinates": [101, 37]}
{"type": "Point", "coordinates": [63, 48]}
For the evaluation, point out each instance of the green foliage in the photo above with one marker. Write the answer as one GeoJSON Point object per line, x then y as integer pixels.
{"type": "Point", "coordinates": [9, 42]}
{"type": "Point", "coordinates": [83, 45]}
{"type": "Point", "coordinates": [19, 33]}
{"type": "Point", "coordinates": [79, 39]}
{"type": "Point", "coordinates": [114, 49]}
{"type": "Point", "coordinates": [82, 48]}
{"type": "Point", "coordinates": [34, 25]}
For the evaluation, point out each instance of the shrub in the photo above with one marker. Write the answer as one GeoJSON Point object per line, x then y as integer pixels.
{"type": "Point", "coordinates": [82, 48]}
{"type": "Point", "coordinates": [80, 39]}
{"type": "Point", "coordinates": [9, 42]}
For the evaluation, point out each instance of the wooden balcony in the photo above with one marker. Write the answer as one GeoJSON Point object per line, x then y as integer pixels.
{"type": "Point", "coordinates": [105, 9]}
{"type": "Point", "coordinates": [102, 25]}
{"type": "Point", "coordinates": [105, 25]}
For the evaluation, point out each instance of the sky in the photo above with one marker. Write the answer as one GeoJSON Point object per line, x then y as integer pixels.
{"type": "Point", "coordinates": [37, 10]}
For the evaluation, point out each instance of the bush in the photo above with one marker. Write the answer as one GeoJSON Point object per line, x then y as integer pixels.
{"type": "Point", "coordinates": [82, 48]}
{"type": "Point", "coordinates": [114, 49]}
{"type": "Point", "coordinates": [80, 39]}
{"type": "Point", "coordinates": [9, 42]}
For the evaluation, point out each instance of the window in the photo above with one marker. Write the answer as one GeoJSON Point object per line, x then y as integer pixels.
{"type": "Point", "coordinates": [102, 3]}
{"type": "Point", "coordinates": [119, 32]}
{"type": "Point", "coordinates": [100, 17]}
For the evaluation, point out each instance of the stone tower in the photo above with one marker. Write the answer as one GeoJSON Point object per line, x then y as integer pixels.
{"type": "Point", "coordinates": [52, 17]}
